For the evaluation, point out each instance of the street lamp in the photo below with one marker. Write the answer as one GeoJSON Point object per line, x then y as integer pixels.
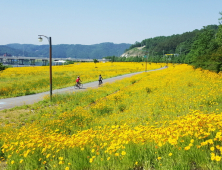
{"type": "Point", "coordinates": [50, 61]}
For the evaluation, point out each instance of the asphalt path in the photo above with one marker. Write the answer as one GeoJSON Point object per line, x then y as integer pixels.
{"type": "Point", "coordinates": [30, 99]}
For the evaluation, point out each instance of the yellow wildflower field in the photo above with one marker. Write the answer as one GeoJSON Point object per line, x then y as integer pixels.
{"type": "Point", "coordinates": [20, 81]}
{"type": "Point", "coordinates": [168, 119]}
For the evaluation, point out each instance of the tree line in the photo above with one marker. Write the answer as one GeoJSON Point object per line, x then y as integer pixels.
{"type": "Point", "coordinates": [200, 48]}
{"type": "Point", "coordinates": [97, 51]}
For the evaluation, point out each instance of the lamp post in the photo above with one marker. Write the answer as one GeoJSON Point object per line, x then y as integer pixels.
{"type": "Point", "coordinates": [50, 61]}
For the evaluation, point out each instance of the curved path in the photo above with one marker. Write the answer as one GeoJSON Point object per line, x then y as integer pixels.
{"type": "Point", "coordinates": [30, 99]}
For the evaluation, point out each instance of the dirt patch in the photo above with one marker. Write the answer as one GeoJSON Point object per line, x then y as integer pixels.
{"type": "Point", "coordinates": [3, 165]}
{"type": "Point", "coordinates": [13, 116]}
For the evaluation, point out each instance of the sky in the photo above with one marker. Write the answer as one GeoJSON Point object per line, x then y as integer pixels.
{"type": "Point", "coordinates": [90, 22]}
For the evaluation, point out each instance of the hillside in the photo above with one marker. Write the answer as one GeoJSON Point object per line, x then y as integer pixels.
{"type": "Point", "coordinates": [136, 51]}
{"type": "Point", "coordinates": [66, 50]}
{"type": "Point", "coordinates": [200, 48]}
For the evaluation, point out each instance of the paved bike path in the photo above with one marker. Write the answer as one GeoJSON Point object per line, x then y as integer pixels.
{"type": "Point", "coordinates": [30, 99]}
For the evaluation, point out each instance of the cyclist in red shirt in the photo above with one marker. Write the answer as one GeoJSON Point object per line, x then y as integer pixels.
{"type": "Point", "coordinates": [78, 80]}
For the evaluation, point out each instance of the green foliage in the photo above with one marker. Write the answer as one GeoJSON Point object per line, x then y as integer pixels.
{"type": "Point", "coordinates": [148, 90]}
{"type": "Point", "coordinates": [95, 61]}
{"type": "Point", "coordinates": [69, 62]}
{"type": "Point", "coordinates": [200, 48]}
{"type": "Point", "coordinates": [205, 51]}
{"type": "Point", "coordinates": [219, 36]}
{"type": "Point", "coordinates": [170, 44]}
{"type": "Point", "coordinates": [2, 67]}
{"type": "Point", "coordinates": [220, 19]}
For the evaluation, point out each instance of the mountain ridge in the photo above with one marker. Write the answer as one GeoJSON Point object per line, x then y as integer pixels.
{"type": "Point", "coordinates": [96, 51]}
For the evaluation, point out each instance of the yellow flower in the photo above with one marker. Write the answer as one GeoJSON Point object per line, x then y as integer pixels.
{"type": "Point", "coordinates": [116, 154]}
{"type": "Point", "coordinates": [21, 161]}
{"type": "Point", "coordinates": [187, 148]}
{"type": "Point", "coordinates": [12, 162]}
{"type": "Point", "coordinates": [44, 162]}
{"type": "Point", "coordinates": [159, 158]}
{"type": "Point", "coordinates": [123, 153]}
{"type": "Point", "coordinates": [170, 154]}
{"type": "Point", "coordinates": [217, 158]}
{"type": "Point", "coordinates": [60, 158]}
{"type": "Point", "coordinates": [212, 148]}
{"type": "Point", "coordinates": [108, 158]}
{"type": "Point", "coordinates": [136, 163]}
{"type": "Point", "coordinates": [93, 150]}
{"type": "Point", "coordinates": [48, 155]}
{"type": "Point", "coordinates": [61, 162]}
{"type": "Point", "coordinates": [67, 168]}
{"type": "Point", "coordinates": [91, 160]}
{"type": "Point", "coordinates": [69, 163]}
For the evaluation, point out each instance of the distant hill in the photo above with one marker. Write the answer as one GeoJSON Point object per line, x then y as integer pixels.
{"type": "Point", "coordinates": [5, 49]}
{"type": "Point", "coordinates": [96, 51]}
{"type": "Point", "coordinates": [200, 48]}
{"type": "Point", "coordinates": [174, 44]}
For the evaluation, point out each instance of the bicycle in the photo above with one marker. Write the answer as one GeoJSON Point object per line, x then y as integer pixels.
{"type": "Point", "coordinates": [100, 83]}
{"type": "Point", "coordinates": [80, 85]}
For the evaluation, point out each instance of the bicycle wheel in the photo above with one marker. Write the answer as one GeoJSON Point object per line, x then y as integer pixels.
{"type": "Point", "coordinates": [100, 83]}
{"type": "Point", "coordinates": [80, 85]}
{"type": "Point", "coordinates": [76, 86]}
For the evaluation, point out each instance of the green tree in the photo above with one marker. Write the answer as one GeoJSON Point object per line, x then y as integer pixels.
{"type": "Point", "coordinates": [220, 19]}
{"type": "Point", "coordinates": [219, 36]}
{"type": "Point", "coordinates": [2, 67]}
{"type": "Point", "coordinates": [95, 61]}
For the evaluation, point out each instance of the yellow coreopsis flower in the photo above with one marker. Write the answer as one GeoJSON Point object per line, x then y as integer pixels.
{"type": "Point", "coordinates": [217, 158]}
{"type": "Point", "coordinates": [48, 155]}
{"type": "Point", "coordinates": [187, 148]}
{"type": "Point", "coordinates": [123, 153]}
{"type": "Point", "coordinates": [91, 160]}
{"type": "Point", "coordinates": [116, 154]}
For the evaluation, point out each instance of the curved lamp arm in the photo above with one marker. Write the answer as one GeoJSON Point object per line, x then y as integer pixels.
{"type": "Point", "coordinates": [40, 38]}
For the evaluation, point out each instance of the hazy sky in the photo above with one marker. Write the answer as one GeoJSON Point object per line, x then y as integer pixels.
{"type": "Point", "coordinates": [96, 21]}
